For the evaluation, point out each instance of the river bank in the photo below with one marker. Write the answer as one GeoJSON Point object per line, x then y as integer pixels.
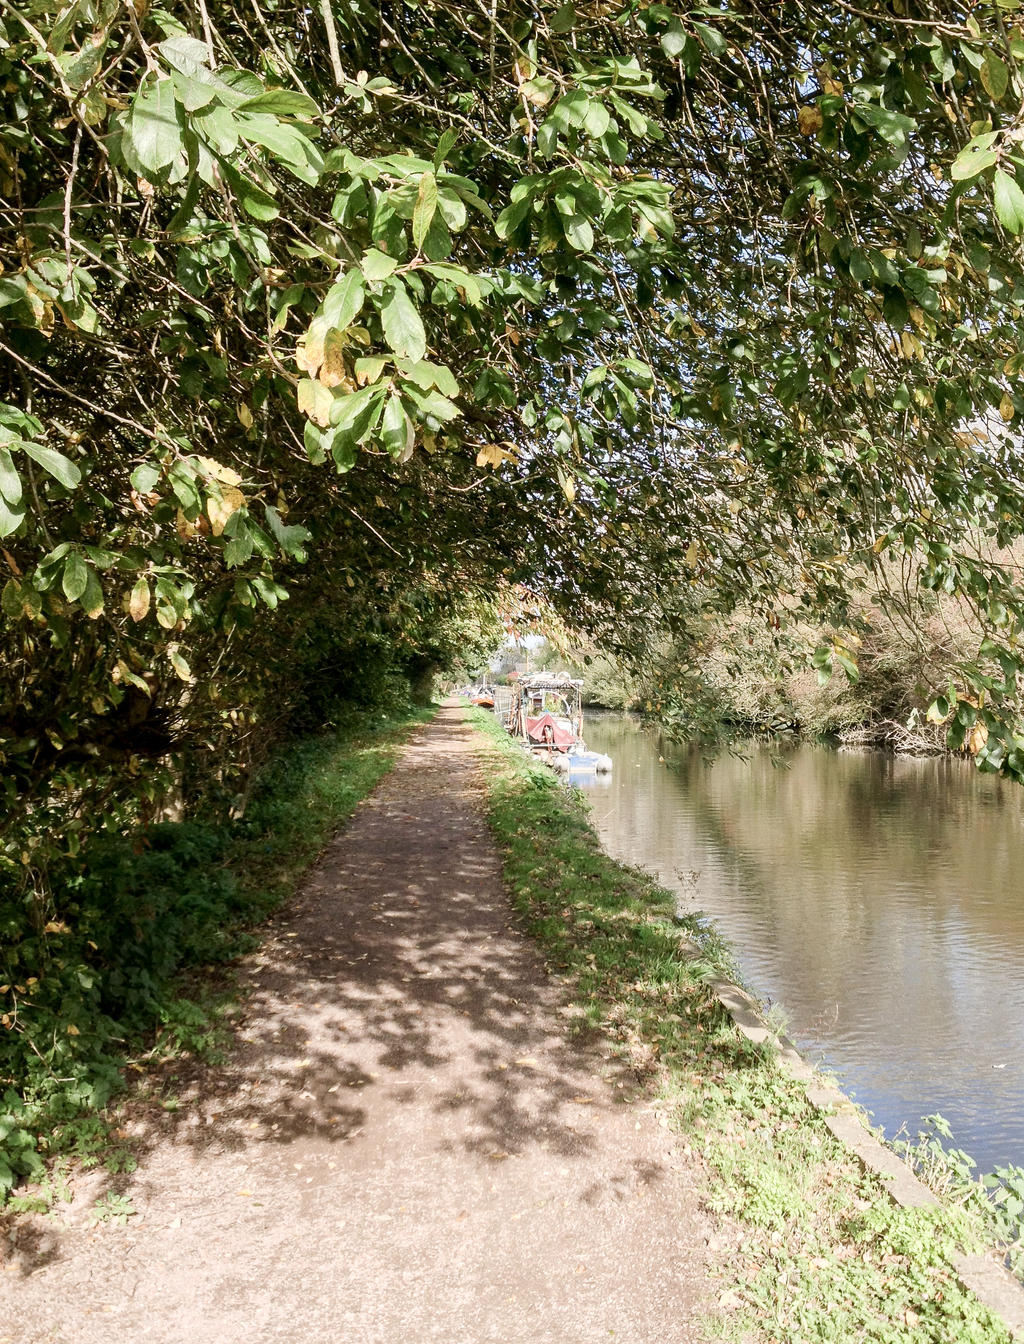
{"type": "Point", "coordinates": [816, 1248]}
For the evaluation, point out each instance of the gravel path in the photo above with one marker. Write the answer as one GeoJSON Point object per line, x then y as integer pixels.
{"type": "Point", "coordinates": [404, 1146]}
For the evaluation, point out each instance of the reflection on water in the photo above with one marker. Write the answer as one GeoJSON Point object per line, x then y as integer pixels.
{"type": "Point", "coordinates": [878, 900]}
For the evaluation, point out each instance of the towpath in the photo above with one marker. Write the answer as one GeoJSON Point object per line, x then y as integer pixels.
{"type": "Point", "coordinates": [404, 1145]}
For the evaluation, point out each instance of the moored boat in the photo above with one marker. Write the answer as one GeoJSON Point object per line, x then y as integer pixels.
{"type": "Point", "coordinates": [546, 716]}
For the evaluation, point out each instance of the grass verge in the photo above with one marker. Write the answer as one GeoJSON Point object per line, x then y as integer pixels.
{"type": "Point", "coordinates": [811, 1247]}
{"type": "Point", "coordinates": [136, 971]}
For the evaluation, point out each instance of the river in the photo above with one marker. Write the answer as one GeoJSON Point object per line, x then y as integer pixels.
{"type": "Point", "coordinates": [877, 900]}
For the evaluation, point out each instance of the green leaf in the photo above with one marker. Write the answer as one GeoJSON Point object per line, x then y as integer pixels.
{"type": "Point", "coordinates": [403, 326]}
{"type": "Point", "coordinates": [891, 126]}
{"type": "Point", "coordinates": [153, 131]}
{"type": "Point", "coordinates": [579, 233]}
{"type": "Point", "coordinates": [378, 265]}
{"type": "Point", "coordinates": [59, 467]}
{"type": "Point", "coordinates": [10, 481]}
{"type": "Point", "coordinates": [287, 144]}
{"type": "Point", "coordinates": [427, 375]}
{"type": "Point", "coordinates": [194, 93]}
{"type": "Point", "coordinates": [396, 429]}
{"type": "Point", "coordinates": [994, 76]}
{"type": "Point", "coordinates": [597, 119]}
{"type": "Point", "coordinates": [673, 40]}
{"type": "Point", "coordinates": [10, 519]}
{"type": "Point", "coordinates": [969, 163]}
{"type": "Point", "coordinates": [184, 53]}
{"type": "Point", "coordinates": [13, 288]}
{"type": "Point", "coordinates": [1009, 201]}
{"type": "Point", "coordinates": [282, 103]}
{"type": "Point", "coordinates": [344, 300]}
{"type": "Point", "coordinates": [92, 597]}
{"type": "Point", "coordinates": [258, 203]}
{"type": "Point", "coordinates": [445, 144]}
{"type": "Point", "coordinates": [563, 19]}
{"type": "Point", "coordinates": [76, 577]}
{"type": "Point", "coordinates": [894, 308]}
{"type": "Point", "coordinates": [144, 478]}
{"type": "Point", "coordinates": [513, 215]}
{"type": "Point", "coordinates": [424, 209]}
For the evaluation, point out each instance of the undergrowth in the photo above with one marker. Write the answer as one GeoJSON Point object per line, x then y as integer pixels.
{"type": "Point", "coordinates": [810, 1247]}
{"type": "Point", "coordinates": [105, 984]}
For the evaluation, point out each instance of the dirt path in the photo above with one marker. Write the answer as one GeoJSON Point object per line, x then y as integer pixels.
{"type": "Point", "coordinates": [404, 1148]}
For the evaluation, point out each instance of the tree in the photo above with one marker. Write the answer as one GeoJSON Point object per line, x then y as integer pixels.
{"type": "Point", "coordinates": [349, 305]}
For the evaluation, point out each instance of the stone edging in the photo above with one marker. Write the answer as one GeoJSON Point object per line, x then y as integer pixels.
{"type": "Point", "coordinates": [985, 1275]}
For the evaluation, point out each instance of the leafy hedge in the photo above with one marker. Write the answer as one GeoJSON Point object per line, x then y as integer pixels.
{"type": "Point", "coordinates": [80, 990]}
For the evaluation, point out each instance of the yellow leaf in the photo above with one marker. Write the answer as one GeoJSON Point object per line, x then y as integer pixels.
{"type": "Point", "coordinates": [221, 505]}
{"type": "Point", "coordinates": [216, 471]}
{"type": "Point", "coordinates": [55, 926]}
{"type": "Point", "coordinates": [179, 664]}
{"type": "Point", "coordinates": [245, 415]}
{"type": "Point", "coordinates": [138, 601]}
{"type": "Point", "coordinates": [977, 738]}
{"type": "Point", "coordinates": [810, 120]}
{"type": "Point", "coordinates": [72, 1030]}
{"type": "Point", "coordinates": [315, 400]}
{"type": "Point", "coordinates": [333, 371]}
{"type": "Point", "coordinates": [309, 354]}
{"type": "Point", "coordinates": [1006, 407]}
{"type": "Point", "coordinates": [691, 554]}
{"type": "Point", "coordinates": [492, 456]}
{"type": "Point", "coordinates": [185, 528]}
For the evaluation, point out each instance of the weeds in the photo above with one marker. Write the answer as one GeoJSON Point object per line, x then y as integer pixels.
{"type": "Point", "coordinates": [997, 1198]}
{"type": "Point", "coordinates": [812, 1248]}
{"type": "Point", "coordinates": [112, 1208]}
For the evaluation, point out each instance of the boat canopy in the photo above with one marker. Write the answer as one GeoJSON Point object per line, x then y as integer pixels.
{"type": "Point", "coordinates": [547, 730]}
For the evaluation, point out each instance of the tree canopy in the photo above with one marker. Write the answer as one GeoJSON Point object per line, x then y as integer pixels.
{"type": "Point", "coordinates": [316, 319]}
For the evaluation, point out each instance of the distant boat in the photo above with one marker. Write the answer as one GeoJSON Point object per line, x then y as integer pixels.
{"type": "Point", "coordinates": [546, 716]}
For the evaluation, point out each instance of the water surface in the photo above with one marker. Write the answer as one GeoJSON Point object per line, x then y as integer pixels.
{"type": "Point", "coordinates": [878, 900]}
